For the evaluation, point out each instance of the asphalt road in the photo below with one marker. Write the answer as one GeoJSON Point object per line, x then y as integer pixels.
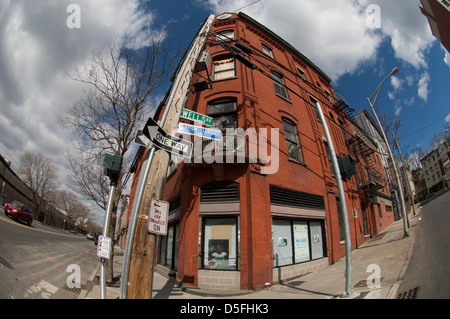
{"type": "Point", "coordinates": [40, 262]}
{"type": "Point", "coordinates": [429, 270]}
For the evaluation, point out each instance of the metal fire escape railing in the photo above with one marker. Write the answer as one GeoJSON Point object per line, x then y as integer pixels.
{"type": "Point", "coordinates": [359, 145]}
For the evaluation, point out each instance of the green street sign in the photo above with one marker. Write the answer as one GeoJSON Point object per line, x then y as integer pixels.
{"type": "Point", "coordinates": [196, 117]}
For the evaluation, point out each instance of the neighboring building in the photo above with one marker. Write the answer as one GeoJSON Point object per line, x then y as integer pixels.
{"type": "Point", "coordinates": [436, 168]}
{"type": "Point", "coordinates": [242, 215]}
{"type": "Point", "coordinates": [438, 15]}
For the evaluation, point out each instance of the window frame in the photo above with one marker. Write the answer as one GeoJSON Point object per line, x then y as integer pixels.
{"type": "Point", "coordinates": [280, 86]}
{"type": "Point", "coordinates": [296, 142]}
{"type": "Point", "coordinates": [215, 64]}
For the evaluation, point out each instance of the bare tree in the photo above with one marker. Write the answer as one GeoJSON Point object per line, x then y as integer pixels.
{"type": "Point", "coordinates": [39, 173]}
{"type": "Point", "coordinates": [120, 81]}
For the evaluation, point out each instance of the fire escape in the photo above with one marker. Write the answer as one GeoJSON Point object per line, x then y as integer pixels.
{"type": "Point", "coordinates": [359, 145]}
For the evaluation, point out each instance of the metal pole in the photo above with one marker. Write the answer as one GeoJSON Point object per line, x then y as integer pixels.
{"type": "Point", "coordinates": [106, 233]}
{"type": "Point", "coordinates": [402, 200]}
{"type": "Point", "coordinates": [348, 244]}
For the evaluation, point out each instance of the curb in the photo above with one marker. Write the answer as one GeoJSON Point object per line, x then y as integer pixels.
{"type": "Point", "coordinates": [84, 292]}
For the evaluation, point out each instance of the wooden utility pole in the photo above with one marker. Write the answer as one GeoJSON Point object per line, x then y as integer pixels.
{"type": "Point", "coordinates": [405, 172]}
{"type": "Point", "coordinates": [143, 252]}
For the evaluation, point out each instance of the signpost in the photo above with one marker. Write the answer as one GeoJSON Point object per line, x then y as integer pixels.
{"type": "Point", "coordinates": [205, 132]}
{"type": "Point", "coordinates": [169, 143]}
{"type": "Point", "coordinates": [157, 218]}
{"type": "Point", "coordinates": [196, 117]}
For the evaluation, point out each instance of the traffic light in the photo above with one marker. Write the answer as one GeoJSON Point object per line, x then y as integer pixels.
{"type": "Point", "coordinates": [347, 167]}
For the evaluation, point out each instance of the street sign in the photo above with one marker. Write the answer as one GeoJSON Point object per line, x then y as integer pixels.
{"type": "Point", "coordinates": [161, 139]}
{"type": "Point", "coordinates": [205, 132]}
{"type": "Point", "coordinates": [157, 217]}
{"type": "Point", "coordinates": [104, 247]}
{"type": "Point", "coordinates": [196, 117]}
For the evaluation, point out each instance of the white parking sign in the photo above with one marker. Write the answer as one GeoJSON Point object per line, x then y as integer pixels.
{"type": "Point", "coordinates": [157, 218]}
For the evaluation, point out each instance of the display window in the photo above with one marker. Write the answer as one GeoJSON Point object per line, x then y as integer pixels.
{"type": "Point", "coordinates": [296, 241]}
{"type": "Point", "coordinates": [220, 243]}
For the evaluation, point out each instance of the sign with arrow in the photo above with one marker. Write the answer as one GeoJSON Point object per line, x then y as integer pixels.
{"type": "Point", "coordinates": [162, 140]}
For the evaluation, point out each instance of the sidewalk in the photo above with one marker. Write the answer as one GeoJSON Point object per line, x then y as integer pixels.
{"type": "Point", "coordinates": [388, 250]}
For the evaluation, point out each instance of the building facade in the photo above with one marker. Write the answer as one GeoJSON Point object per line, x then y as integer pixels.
{"type": "Point", "coordinates": [436, 168]}
{"type": "Point", "coordinates": [437, 13]}
{"type": "Point", "coordinates": [261, 205]}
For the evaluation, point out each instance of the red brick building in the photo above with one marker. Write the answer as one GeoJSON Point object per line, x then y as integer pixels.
{"type": "Point", "coordinates": [239, 220]}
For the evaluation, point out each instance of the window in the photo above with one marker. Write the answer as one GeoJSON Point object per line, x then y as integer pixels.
{"type": "Point", "coordinates": [267, 50]}
{"type": "Point", "coordinates": [330, 161]}
{"type": "Point", "coordinates": [223, 69]}
{"type": "Point", "coordinates": [301, 73]}
{"type": "Point", "coordinates": [296, 241]}
{"type": "Point", "coordinates": [292, 141]}
{"type": "Point", "coordinates": [224, 114]}
{"type": "Point", "coordinates": [225, 35]}
{"type": "Point", "coordinates": [341, 220]}
{"type": "Point", "coordinates": [314, 104]}
{"type": "Point", "coordinates": [168, 247]}
{"type": "Point", "coordinates": [220, 243]}
{"type": "Point", "coordinates": [280, 88]}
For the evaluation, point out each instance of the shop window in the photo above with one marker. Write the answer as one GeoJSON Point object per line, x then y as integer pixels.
{"type": "Point", "coordinates": [168, 247]}
{"type": "Point", "coordinates": [296, 241]}
{"type": "Point", "coordinates": [220, 243]}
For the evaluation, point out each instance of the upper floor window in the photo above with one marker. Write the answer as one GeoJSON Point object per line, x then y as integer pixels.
{"type": "Point", "coordinates": [224, 113]}
{"type": "Point", "coordinates": [225, 35]}
{"type": "Point", "coordinates": [267, 50]}
{"type": "Point", "coordinates": [314, 104]}
{"type": "Point", "coordinates": [280, 88]}
{"type": "Point", "coordinates": [223, 69]}
{"type": "Point", "coordinates": [292, 141]}
{"type": "Point", "coordinates": [301, 73]}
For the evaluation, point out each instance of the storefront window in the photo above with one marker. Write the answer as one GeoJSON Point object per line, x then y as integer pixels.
{"type": "Point", "coordinates": [220, 243]}
{"type": "Point", "coordinates": [296, 241]}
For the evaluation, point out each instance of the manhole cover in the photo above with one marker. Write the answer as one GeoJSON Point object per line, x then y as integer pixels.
{"type": "Point", "coordinates": [410, 294]}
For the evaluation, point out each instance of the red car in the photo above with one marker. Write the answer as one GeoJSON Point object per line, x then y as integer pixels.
{"type": "Point", "coordinates": [19, 212]}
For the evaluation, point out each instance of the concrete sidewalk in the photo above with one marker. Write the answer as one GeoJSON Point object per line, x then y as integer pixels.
{"type": "Point", "coordinates": [388, 253]}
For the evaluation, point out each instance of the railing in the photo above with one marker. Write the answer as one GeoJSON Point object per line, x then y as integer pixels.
{"type": "Point", "coordinates": [375, 180]}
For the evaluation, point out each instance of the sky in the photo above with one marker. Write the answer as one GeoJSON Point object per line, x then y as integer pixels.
{"type": "Point", "coordinates": [355, 42]}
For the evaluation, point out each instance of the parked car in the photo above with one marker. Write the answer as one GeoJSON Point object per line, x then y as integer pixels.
{"type": "Point", "coordinates": [19, 211]}
{"type": "Point", "coordinates": [90, 236]}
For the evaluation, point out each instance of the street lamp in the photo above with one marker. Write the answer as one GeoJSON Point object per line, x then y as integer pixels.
{"type": "Point", "coordinates": [402, 200]}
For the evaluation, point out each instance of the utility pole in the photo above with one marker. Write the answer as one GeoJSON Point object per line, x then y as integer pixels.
{"type": "Point", "coordinates": [408, 186]}
{"type": "Point", "coordinates": [137, 284]}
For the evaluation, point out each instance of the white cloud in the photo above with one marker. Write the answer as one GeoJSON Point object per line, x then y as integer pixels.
{"type": "Point", "coordinates": [37, 50]}
{"type": "Point", "coordinates": [423, 86]}
{"type": "Point", "coordinates": [333, 34]}
{"type": "Point", "coordinates": [447, 119]}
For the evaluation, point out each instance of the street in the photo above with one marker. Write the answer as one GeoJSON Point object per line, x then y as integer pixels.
{"type": "Point", "coordinates": [36, 262]}
{"type": "Point", "coordinates": [428, 274]}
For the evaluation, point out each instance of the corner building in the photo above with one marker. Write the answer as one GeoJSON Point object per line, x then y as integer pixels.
{"type": "Point", "coordinates": [239, 220]}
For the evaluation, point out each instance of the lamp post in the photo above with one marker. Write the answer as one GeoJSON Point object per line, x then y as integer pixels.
{"type": "Point", "coordinates": [402, 200]}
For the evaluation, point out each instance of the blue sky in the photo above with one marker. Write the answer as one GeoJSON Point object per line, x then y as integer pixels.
{"type": "Point", "coordinates": [38, 50]}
